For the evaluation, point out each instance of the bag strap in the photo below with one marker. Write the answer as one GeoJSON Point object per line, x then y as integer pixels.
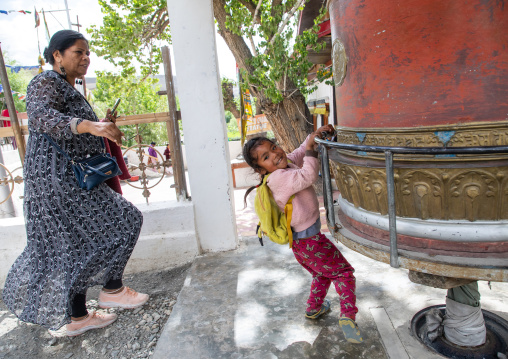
{"type": "Point", "coordinates": [91, 168]}
{"type": "Point", "coordinates": [58, 148]}
{"type": "Point", "coordinates": [288, 210]}
{"type": "Point", "coordinates": [65, 154]}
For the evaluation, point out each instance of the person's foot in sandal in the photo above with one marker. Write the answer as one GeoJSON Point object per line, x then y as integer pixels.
{"type": "Point", "coordinates": [350, 330]}
{"type": "Point", "coordinates": [325, 307]}
{"type": "Point", "coordinates": [91, 321]}
{"type": "Point", "coordinates": [126, 298]}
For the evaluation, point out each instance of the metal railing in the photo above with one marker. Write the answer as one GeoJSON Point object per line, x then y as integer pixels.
{"type": "Point", "coordinates": [390, 179]}
{"type": "Point", "coordinates": [7, 178]}
{"type": "Point", "coordinates": [170, 118]}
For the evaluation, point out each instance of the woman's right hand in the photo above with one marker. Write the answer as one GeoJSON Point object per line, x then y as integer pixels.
{"type": "Point", "coordinates": [102, 129]}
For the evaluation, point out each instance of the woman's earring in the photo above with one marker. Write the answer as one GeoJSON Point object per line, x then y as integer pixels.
{"type": "Point", "coordinates": [62, 72]}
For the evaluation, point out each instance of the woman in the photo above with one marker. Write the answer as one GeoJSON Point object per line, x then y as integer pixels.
{"type": "Point", "coordinates": [167, 152]}
{"type": "Point", "coordinates": [75, 238]}
{"type": "Point", "coordinates": [152, 157]}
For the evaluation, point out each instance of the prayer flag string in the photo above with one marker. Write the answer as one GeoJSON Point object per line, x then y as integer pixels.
{"type": "Point", "coordinates": [7, 12]}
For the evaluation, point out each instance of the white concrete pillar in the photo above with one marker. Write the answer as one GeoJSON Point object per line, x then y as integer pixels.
{"type": "Point", "coordinates": [193, 36]}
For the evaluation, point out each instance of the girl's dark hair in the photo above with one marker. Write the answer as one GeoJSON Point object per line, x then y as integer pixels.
{"type": "Point", "coordinates": [61, 41]}
{"type": "Point", "coordinates": [248, 148]}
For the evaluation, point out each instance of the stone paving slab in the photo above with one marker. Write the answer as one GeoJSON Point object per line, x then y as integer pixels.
{"type": "Point", "coordinates": [249, 303]}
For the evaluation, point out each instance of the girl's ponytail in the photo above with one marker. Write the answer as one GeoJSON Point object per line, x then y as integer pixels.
{"type": "Point", "coordinates": [251, 161]}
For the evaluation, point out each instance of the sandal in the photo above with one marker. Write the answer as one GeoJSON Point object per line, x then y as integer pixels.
{"type": "Point", "coordinates": [350, 330]}
{"type": "Point", "coordinates": [325, 307]}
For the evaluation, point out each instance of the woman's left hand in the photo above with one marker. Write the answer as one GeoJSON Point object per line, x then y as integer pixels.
{"type": "Point", "coordinates": [311, 145]}
{"type": "Point", "coordinates": [103, 128]}
{"type": "Point", "coordinates": [325, 129]}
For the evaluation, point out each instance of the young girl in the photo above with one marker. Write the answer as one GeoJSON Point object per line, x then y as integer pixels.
{"type": "Point", "coordinates": [311, 248]}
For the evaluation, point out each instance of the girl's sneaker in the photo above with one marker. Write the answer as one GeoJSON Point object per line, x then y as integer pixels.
{"type": "Point", "coordinates": [325, 307]}
{"type": "Point", "coordinates": [350, 330]}
{"type": "Point", "coordinates": [127, 298]}
{"type": "Point", "coordinates": [93, 321]}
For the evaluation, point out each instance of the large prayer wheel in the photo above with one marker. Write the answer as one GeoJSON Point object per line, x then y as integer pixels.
{"type": "Point", "coordinates": [424, 73]}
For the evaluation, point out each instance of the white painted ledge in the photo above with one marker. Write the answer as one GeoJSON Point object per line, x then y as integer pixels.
{"type": "Point", "coordinates": [167, 239]}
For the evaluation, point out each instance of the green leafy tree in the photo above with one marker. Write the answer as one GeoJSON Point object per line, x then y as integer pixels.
{"type": "Point", "coordinates": [138, 97]}
{"type": "Point", "coordinates": [132, 33]}
{"type": "Point", "coordinates": [228, 97]}
{"type": "Point", "coordinates": [260, 34]}
{"type": "Point", "coordinates": [232, 125]}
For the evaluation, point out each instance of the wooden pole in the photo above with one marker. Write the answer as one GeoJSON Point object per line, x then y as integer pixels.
{"type": "Point", "coordinates": [68, 15]}
{"type": "Point", "coordinates": [242, 109]}
{"type": "Point", "coordinates": [77, 24]}
{"type": "Point", "coordinates": [174, 130]}
{"type": "Point", "coordinates": [20, 140]}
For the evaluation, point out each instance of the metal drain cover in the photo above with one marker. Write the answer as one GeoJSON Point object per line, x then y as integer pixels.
{"type": "Point", "coordinates": [497, 337]}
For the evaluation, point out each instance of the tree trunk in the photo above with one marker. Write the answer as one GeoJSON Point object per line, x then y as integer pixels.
{"type": "Point", "coordinates": [229, 99]}
{"type": "Point", "coordinates": [290, 118]}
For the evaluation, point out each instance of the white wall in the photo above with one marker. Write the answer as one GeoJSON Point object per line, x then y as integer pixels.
{"type": "Point", "coordinates": [235, 148]}
{"type": "Point", "coordinates": [167, 239]}
{"type": "Point", "coordinates": [324, 90]}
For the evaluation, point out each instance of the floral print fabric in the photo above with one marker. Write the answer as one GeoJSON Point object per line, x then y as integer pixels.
{"type": "Point", "coordinates": [326, 264]}
{"type": "Point", "coordinates": [75, 238]}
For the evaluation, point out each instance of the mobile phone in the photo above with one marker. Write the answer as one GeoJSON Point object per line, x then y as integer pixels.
{"type": "Point", "coordinates": [115, 105]}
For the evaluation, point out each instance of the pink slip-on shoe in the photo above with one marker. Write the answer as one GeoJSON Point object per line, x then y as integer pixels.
{"type": "Point", "coordinates": [93, 321]}
{"type": "Point", "coordinates": [127, 298]}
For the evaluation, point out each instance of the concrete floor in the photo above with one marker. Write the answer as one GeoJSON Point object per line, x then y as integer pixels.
{"type": "Point", "coordinates": [250, 303]}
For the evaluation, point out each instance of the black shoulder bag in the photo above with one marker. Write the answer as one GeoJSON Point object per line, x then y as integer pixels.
{"type": "Point", "coordinates": [94, 170]}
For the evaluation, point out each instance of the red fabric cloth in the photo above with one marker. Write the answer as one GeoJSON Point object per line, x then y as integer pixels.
{"type": "Point", "coordinates": [5, 113]}
{"type": "Point", "coordinates": [114, 150]}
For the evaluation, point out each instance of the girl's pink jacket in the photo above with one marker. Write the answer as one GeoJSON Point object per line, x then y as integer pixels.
{"type": "Point", "coordinates": [297, 179]}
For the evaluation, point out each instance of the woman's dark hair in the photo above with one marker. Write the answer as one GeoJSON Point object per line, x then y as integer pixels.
{"type": "Point", "coordinates": [248, 148]}
{"type": "Point", "coordinates": [61, 41]}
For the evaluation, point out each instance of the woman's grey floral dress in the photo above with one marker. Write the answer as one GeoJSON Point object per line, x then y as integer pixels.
{"type": "Point", "coordinates": [75, 238]}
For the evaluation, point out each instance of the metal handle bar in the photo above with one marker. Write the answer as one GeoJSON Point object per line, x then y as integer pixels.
{"type": "Point", "coordinates": [390, 182]}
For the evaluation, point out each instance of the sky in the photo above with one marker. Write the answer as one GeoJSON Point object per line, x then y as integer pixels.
{"type": "Point", "coordinates": [18, 35]}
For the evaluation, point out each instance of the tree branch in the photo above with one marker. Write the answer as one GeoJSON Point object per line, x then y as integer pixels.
{"type": "Point", "coordinates": [275, 3]}
{"type": "Point", "coordinates": [236, 43]}
{"type": "Point", "coordinates": [229, 99]}
{"type": "Point", "coordinates": [286, 20]}
{"type": "Point", "coordinates": [249, 5]}
{"type": "Point", "coordinates": [254, 18]}
{"type": "Point", "coordinates": [252, 27]}
{"type": "Point", "coordinates": [156, 25]}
